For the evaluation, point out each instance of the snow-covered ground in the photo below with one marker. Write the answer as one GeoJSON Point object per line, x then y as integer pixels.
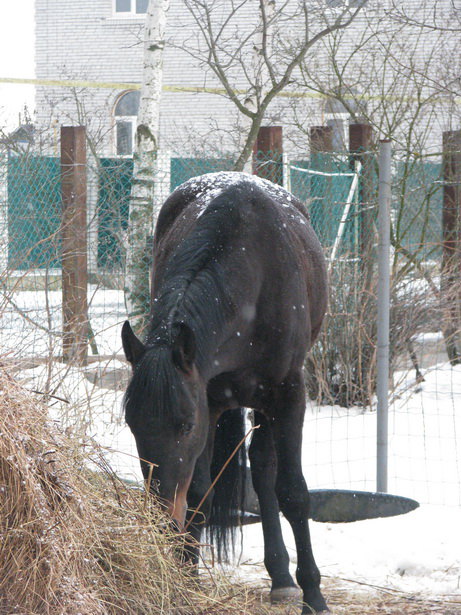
{"type": "Point", "coordinates": [417, 552]}
{"type": "Point", "coordinates": [31, 321]}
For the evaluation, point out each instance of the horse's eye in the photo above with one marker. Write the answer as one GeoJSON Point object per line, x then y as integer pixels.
{"type": "Point", "coordinates": [186, 428]}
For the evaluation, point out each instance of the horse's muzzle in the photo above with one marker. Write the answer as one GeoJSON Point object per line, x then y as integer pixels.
{"type": "Point", "coordinates": [178, 508]}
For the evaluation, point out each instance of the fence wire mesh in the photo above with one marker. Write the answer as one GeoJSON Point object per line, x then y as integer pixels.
{"type": "Point", "coordinates": [340, 372]}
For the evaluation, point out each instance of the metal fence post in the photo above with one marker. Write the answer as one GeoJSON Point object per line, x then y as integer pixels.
{"type": "Point", "coordinates": [4, 210]}
{"type": "Point", "coordinates": [74, 244]}
{"type": "Point", "coordinates": [382, 377]}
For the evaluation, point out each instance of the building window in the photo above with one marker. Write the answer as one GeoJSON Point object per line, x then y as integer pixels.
{"type": "Point", "coordinates": [126, 113]}
{"type": "Point", "coordinates": [338, 116]}
{"type": "Point", "coordinates": [125, 8]}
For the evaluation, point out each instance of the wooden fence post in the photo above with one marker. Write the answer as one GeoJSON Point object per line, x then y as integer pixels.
{"type": "Point", "coordinates": [451, 256]}
{"type": "Point", "coordinates": [321, 187]}
{"type": "Point", "coordinates": [361, 149]}
{"type": "Point", "coordinates": [321, 139]}
{"type": "Point", "coordinates": [74, 244]}
{"type": "Point", "coordinates": [321, 143]}
{"type": "Point", "coordinates": [268, 154]}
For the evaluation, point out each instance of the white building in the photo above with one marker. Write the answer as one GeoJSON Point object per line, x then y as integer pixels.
{"type": "Point", "coordinates": [384, 64]}
{"type": "Point", "coordinates": [99, 42]}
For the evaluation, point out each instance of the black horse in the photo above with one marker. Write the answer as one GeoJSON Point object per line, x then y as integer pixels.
{"type": "Point", "coordinates": [239, 294]}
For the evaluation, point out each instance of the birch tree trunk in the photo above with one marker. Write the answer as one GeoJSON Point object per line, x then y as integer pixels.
{"type": "Point", "coordinates": [143, 202]}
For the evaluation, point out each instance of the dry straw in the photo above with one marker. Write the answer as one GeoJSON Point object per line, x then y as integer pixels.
{"type": "Point", "coordinates": [75, 540]}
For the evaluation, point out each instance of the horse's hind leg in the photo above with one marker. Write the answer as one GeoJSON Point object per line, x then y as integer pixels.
{"type": "Point", "coordinates": [289, 407]}
{"type": "Point", "coordinates": [263, 470]}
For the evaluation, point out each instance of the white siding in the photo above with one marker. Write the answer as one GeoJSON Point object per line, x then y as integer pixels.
{"type": "Point", "coordinates": [83, 40]}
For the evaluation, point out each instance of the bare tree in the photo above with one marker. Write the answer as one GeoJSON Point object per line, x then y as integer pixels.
{"type": "Point", "coordinates": [396, 72]}
{"type": "Point", "coordinates": [143, 204]}
{"type": "Point", "coordinates": [255, 54]}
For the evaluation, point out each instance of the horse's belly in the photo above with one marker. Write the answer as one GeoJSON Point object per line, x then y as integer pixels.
{"type": "Point", "coordinates": [235, 389]}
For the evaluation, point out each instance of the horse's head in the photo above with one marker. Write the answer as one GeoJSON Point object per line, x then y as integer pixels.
{"type": "Point", "coordinates": [166, 410]}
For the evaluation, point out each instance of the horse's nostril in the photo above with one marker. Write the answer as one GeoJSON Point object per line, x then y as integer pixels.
{"type": "Point", "coordinates": [175, 525]}
{"type": "Point", "coordinates": [170, 526]}
{"type": "Point", "coordinates": [163, 527]}
{"type": "Point", "coordinates": [154, 486]}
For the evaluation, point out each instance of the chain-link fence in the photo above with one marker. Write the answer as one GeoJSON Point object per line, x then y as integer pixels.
{"type": "Point", "coordinates": [340, 194]}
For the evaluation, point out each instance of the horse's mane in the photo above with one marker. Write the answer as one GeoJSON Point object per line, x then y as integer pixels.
{"type": "Point", "coordinates": [192, 292]}
{"type": "Point", "coordinates": [155, 379]}
{"type": "Point", "coordinates": [193, 289]}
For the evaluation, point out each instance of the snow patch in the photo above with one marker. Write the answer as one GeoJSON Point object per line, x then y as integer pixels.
{"type": "Point", "coordinates": [211, 185]}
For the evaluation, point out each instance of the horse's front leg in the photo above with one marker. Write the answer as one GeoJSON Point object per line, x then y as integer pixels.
{"type": "Point", "coordinates": [196, 518]}
{"type": "Point", "coordinates": [263, 470]}
{"type": "Point", "coordinates": [292, 493]}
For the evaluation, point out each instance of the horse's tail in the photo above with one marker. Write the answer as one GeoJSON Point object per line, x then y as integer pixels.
{"type": "Point", "coordinates": [229, 492]}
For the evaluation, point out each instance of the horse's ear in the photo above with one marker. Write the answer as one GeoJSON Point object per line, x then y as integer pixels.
{"type": "Point", "coordinates": [184, 347]}
{"type": "Point", "coordinates": [132, 346]}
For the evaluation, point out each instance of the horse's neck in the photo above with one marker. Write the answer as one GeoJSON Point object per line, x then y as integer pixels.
{"type": "Point", "coordinates": [204, 315]}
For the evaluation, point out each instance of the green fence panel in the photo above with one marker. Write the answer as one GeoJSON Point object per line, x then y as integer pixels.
{"type": "Point", "coordinates": [113, 206]}
{"type": "Point", "coordinates": [34, 205]}
{"type": "Point", "coordinates": [269, 165]}
{"type": "Point", "coordinates": [417, 207]}
{"type": "Point", "coordinates": [114, 196]}
{"type": "Point", "coordinates": [183, 169]}
{"type": "Point", "coordinates": [325, 197]}
{"type": "Point", "coordinates": [34, 212]}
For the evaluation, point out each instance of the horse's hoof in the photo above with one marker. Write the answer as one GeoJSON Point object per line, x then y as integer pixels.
{"type": "Point", "coordinates": [286, 594]}
{"type": "Point", "coordinates": [321, 610]}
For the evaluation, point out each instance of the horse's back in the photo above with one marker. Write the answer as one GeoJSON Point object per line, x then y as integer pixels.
{"type": "Point", "coordinates": [270, 255]}
{"type": "Point", "coordinates": [189, 200]}
{"type": "Point", "coordinates": [251, 194]}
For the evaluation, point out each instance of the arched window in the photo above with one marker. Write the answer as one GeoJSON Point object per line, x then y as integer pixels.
{"type": "Point", "coordinates": [126, 112]}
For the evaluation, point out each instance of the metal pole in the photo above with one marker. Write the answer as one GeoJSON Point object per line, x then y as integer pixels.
{"type": "Point", "coordinates": [382, 383]}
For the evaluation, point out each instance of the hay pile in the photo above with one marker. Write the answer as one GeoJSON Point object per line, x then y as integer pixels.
{"type": "Point", "coordinates": [74, 541]}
